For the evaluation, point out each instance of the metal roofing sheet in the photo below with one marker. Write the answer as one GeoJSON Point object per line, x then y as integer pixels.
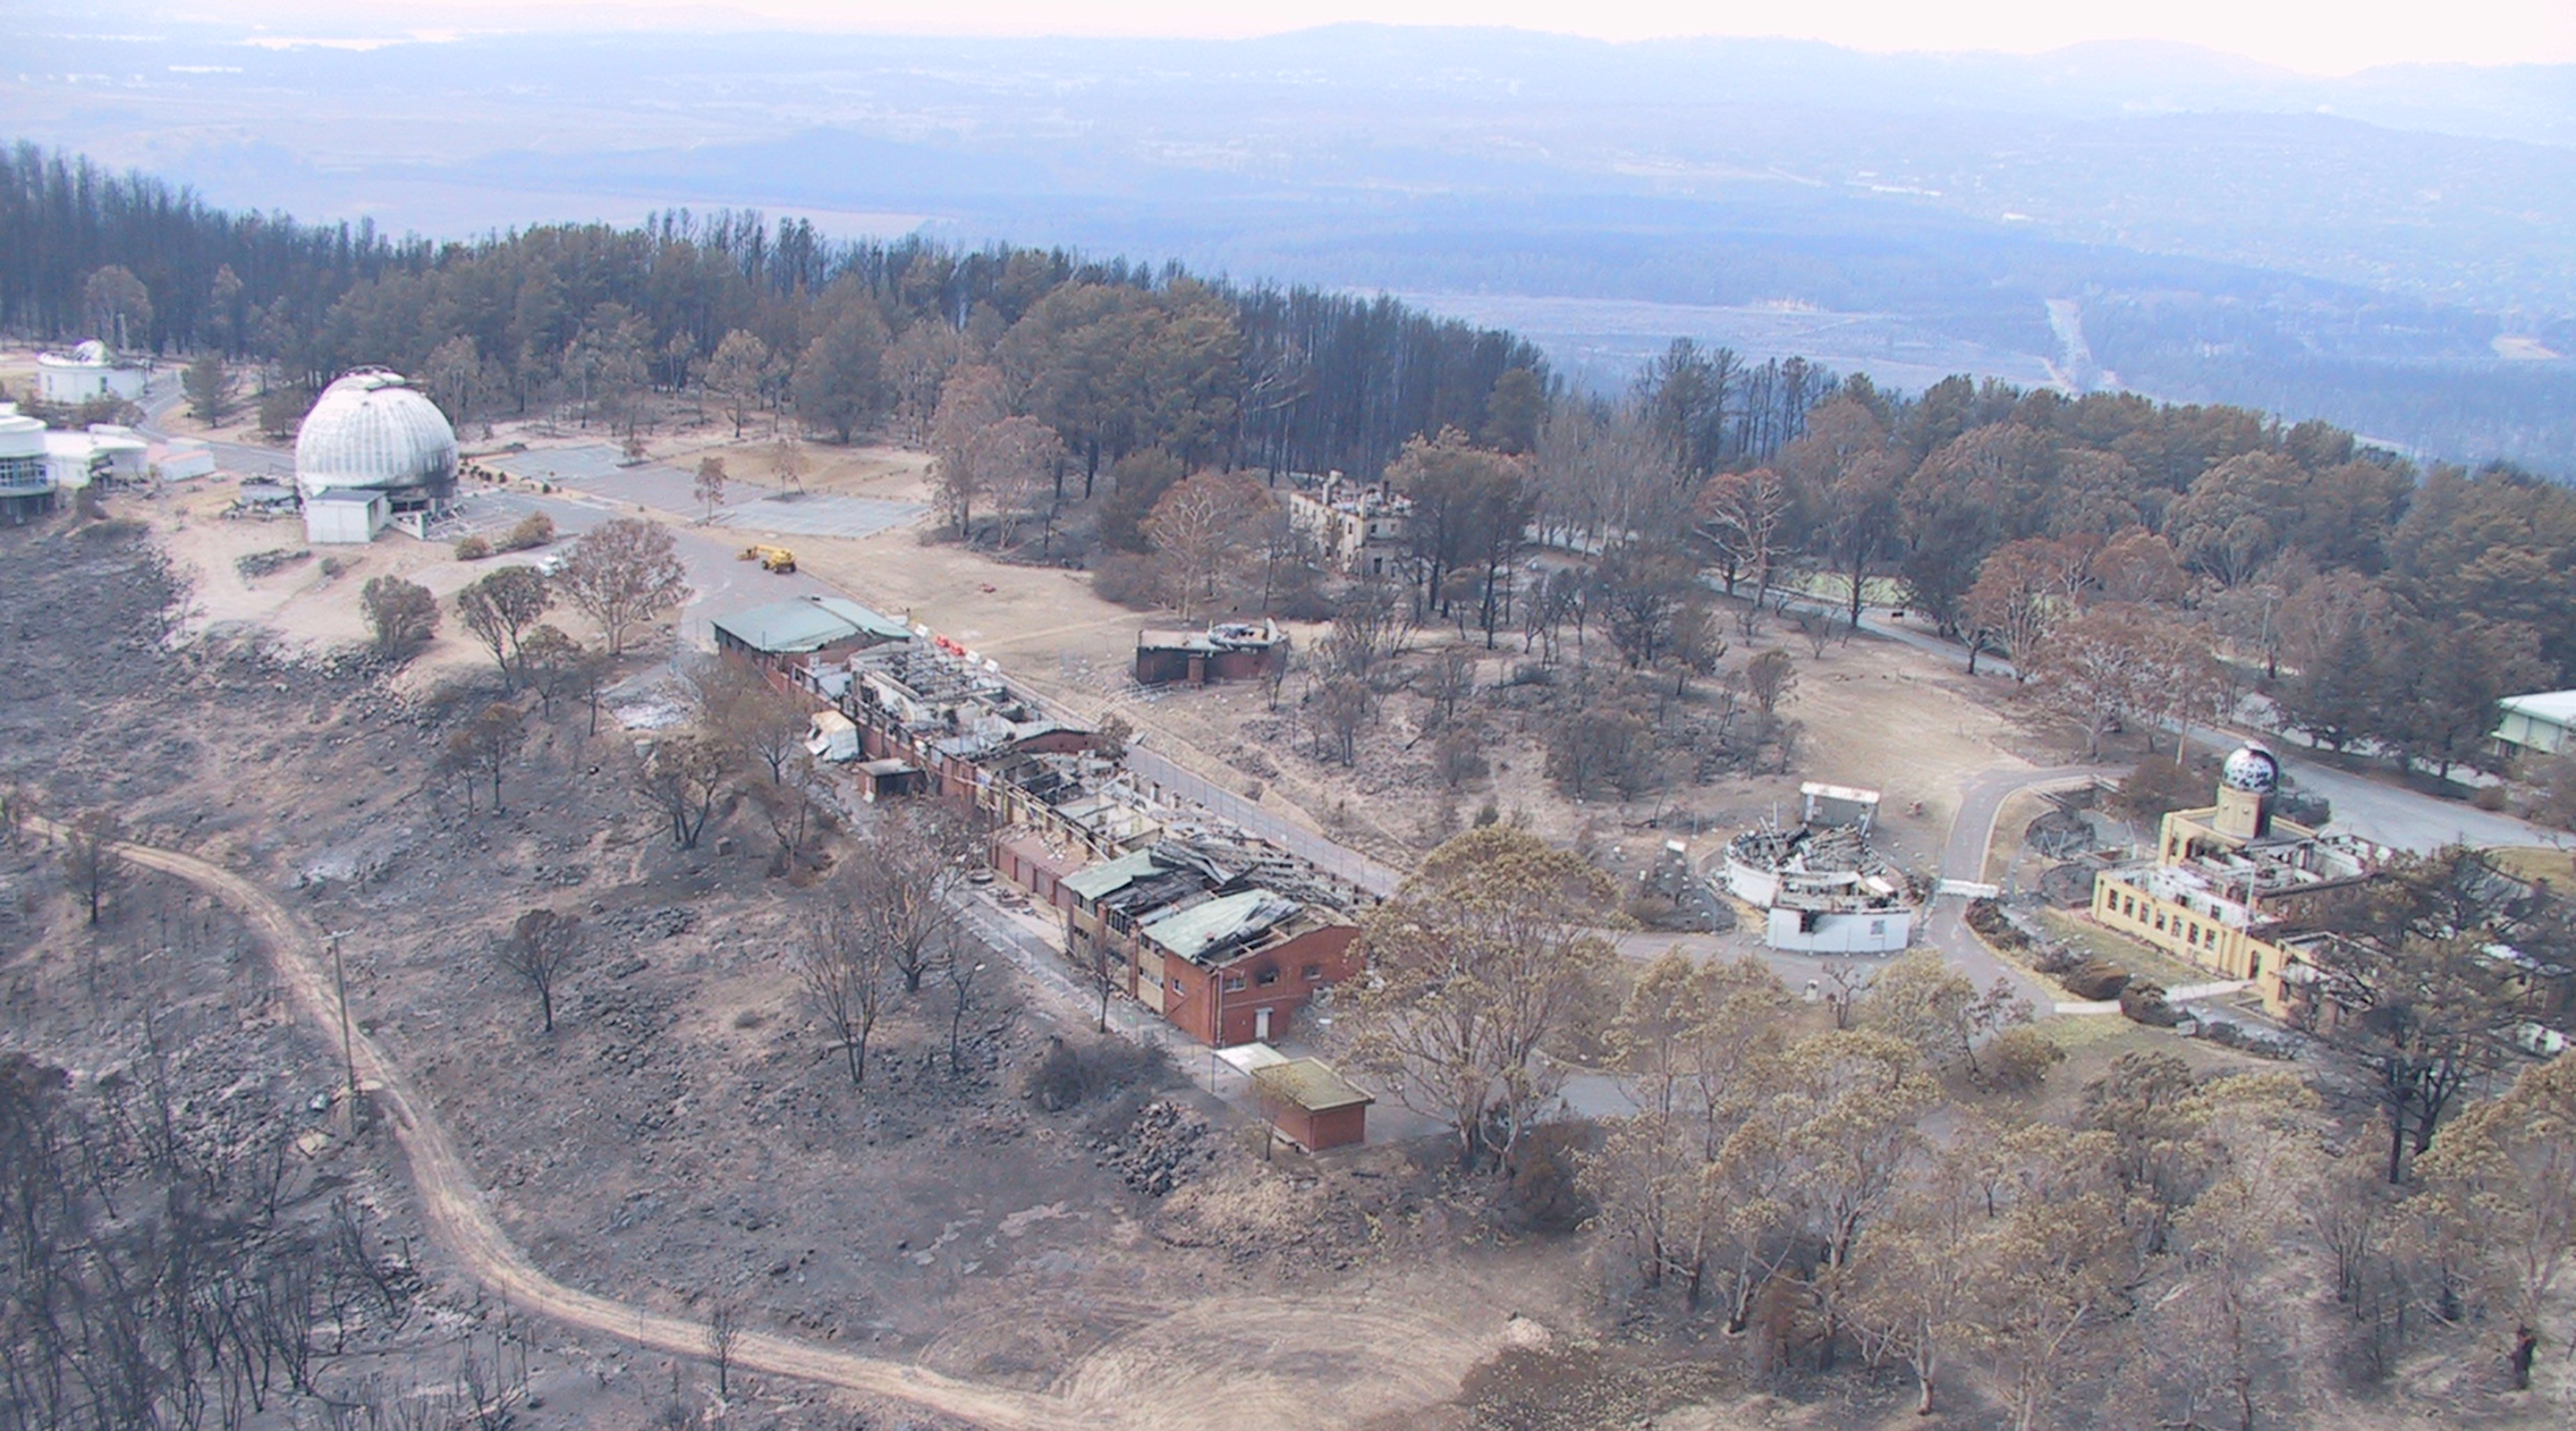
{"type": "Point", "coordinates": [865, 620]}
{"type": "Point", "coordinates": [803, 624]}
{"type": "Point", "coordinates": [2555, 707]}
{"type": "Point", "coordinates": [1093, 881]}
{"type": "Point", "coordinates": [1191, 930]}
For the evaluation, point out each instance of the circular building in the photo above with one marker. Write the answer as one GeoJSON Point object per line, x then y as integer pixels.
{"type": "Point", "coordinates": [2252, 769]}
{"type": "Point", "coordinates": [373, 451]}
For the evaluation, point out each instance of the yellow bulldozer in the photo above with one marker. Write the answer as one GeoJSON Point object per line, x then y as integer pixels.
{"type": "Point", "coordinates": [777, 559]}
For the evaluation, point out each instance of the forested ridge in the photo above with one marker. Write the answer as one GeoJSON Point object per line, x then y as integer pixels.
{"type": "Point", "coordinates": [2108, 544]}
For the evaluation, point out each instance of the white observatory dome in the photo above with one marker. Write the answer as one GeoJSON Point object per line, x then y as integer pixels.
{"type": "Point", "coordinates": [2251, 768]}
{"type": "Point", "coordinates": [372, 428]}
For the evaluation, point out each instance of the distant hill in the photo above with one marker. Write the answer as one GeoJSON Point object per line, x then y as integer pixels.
{"type": "Point", "coordinates": [2388, 250]}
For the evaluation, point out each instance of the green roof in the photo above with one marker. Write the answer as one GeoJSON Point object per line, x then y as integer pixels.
{"type": "Point", "coordinates": [1191, 930]}
{"type": "Point", "coordinates": [1111, 876]}
{"type": "Point", "coordinates": [866, 619]}
{"type": "Point", "coordinates": [1310, 1084]}
{"type": "Point", "coordinates": [809, 623]}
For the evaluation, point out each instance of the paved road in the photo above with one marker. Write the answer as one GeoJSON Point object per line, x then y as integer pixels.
{"type": "Point", "coordinates": [2385, 812]}
{"type": "Point", "coordinates": [1963, 857]}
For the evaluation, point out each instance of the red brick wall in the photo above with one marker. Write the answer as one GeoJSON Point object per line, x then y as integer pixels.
{"type": "Point", "coordinates": [1193, 1006]}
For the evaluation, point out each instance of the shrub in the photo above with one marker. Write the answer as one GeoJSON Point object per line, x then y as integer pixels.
{"type": "Point", "coordinates": [1067, 1075]}
{"type": "Point", "coordinates": [2143, 1001]}
{"type": "Point", "coordinates": [2489, 797]}
{"type": "Point", "coordinates": [2020, 1058]}
{"type": "Point", "coordinates": [1459, 756]}
{"type": "Point", "coordinates": [534, 530]}
{"type": "Point", "coordinates": [472, 548]}
{"type": "Point", "coordinates": [1129, 580]}
{"type": "Point", "coordinates": [2097, 979]}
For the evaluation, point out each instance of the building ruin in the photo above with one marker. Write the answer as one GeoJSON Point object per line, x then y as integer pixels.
{"type": "Point", "coordinates": [1822, 887]}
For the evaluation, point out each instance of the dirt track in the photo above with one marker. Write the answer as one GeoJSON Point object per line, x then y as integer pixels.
{"type": "Point", "coordinates": [456, 1214]}
{"type": "Point", "coordinates": [1245, 1361]}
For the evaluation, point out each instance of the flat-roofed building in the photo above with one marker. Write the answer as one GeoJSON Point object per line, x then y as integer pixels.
{"type": "Point", "coordinates": [805, 628]}
{"type": "Point", "coordinates": [2535, 725]}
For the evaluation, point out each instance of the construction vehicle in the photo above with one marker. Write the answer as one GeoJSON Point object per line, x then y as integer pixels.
{"type": "Point", "coordinates": [777, 559]}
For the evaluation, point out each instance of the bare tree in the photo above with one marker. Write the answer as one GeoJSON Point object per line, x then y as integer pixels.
{"type": "Point", "coordinates": [90, 859]}
{"type": "Point", "coordinates": [740, 374]}
{"type": "Point", "coordinates": [681, 779]}
{"type": "Point", "coordinates": [1448, 682]}
{"type": "Point", "coordinates": [1342, 709]}
{"type": "Point", "coordinates": [500, 608]}
{"type": "Point", "coordinates": [621, 574]}
{"type": "Point", "coordinates": [739, 706]}
{"type": "Point", "coordinates": [1202, 525]}
{"type": "Point", "coordinates": [909, 876]}
{"type": "Point", "coordinates": [845, 965]}
{"type": "Point", "coordinates": [1371, 622]}
{"type": "Point", "coordinates": [18, 808]}
{"type": "Point", "coordinates": [1748, 515]}
{"type": "Point", "coordinates": [724, 1338]}
{"type": "Point", "coordinates": [709, 487]}
{"type": "Point", "coordinates": [1018, 459]}
{"type": "Point", "coordinates": [970, 400]}
{"type": "Point", "coordinates": [959, 972]}
{"type": "Point", "coordinates": [550, 663]}
{"type": "Point", "coordinates": [482, 747]}
{"type": "Point", "coordinates": [541, 948]}
{"type": "Point", "coordinates": [787, 462]}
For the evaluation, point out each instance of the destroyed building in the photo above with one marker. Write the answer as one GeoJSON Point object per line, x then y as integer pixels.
{"type": "Point", "coordinates": [1226, 651]}
{"type": "Point", "coordinates": [1223, 936]}
{"type": "Point", "coordinates": [1359, 528]}
{"type": "Point", "coordinates": [2232, 886]}
{"type": "Point", "coordinates": [1822, 888]}
{"type": "Point", "coordinates": [786, 634]}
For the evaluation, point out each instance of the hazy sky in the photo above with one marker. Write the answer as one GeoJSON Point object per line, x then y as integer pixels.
{"type": "Point", "coordinates": [2326, 36]}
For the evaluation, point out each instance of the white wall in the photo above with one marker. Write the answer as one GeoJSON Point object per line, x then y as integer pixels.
{"type": "Point", "coordinates": [344, 523]}
{"type": "Point", "coordinates": [75, 383]}
{"type": "Point", "coordinates": [1880, 931]}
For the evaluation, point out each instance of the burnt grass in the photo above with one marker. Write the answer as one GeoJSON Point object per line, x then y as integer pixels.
{"type": "Point", "coordinates": [687, 1132]}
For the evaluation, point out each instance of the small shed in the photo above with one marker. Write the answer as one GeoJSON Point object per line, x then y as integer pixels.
{"type": "Point", "coordinates": [1312, 1105]}
{"type": "Point", "coordinates": [831, 736]}
{"type": "Point", "coordinates": [887, 779]}
{"type": "Point", "coordinates": [346, 515]}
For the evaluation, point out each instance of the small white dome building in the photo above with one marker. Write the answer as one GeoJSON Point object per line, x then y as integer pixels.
{"type": "Point", "coordinates": [374, 449]}
{"type": "Point", "coordinates": [87, 373]}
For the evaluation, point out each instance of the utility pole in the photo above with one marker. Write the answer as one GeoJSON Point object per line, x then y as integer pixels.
{"type": "Point", "coordinates": [348, 1041]}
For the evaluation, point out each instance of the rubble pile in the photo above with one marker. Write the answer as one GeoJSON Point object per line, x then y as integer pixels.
{"type": "Point", "coordinates": [1163, 1146]}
